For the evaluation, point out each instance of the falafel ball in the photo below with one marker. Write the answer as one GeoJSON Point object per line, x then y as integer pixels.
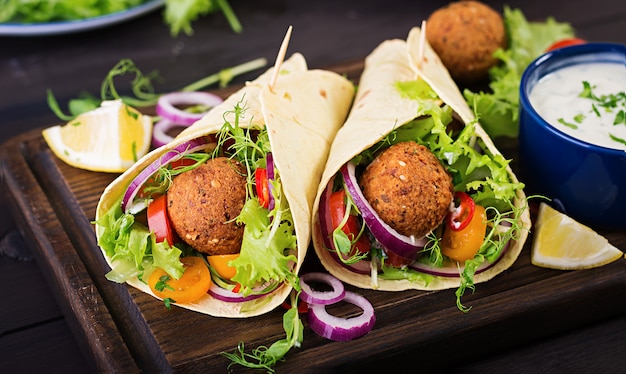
{"type": "Point", "coordinates": [409, 188]}
{"type": "Point", "coordinates": [465, 35]}
{"type": "Point", "coordinates": [203, 202]}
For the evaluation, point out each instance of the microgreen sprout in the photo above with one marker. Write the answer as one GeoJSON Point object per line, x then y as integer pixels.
{"type": "Point", "coordinates": [266, 357]}
{"type": "Point", "coordinates": [142, 87]}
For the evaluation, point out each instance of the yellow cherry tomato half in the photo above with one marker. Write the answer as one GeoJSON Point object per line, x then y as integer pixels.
{"type": "Point", "coordinates": [193, 284]}
{"type": "Point", "coordinates": [463, 244]}
{"type": "Point", "coordinates": [220, 264]}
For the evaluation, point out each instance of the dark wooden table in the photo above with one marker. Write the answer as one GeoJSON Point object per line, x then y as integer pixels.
{"type": "Point", "coordinates": [38, 329]}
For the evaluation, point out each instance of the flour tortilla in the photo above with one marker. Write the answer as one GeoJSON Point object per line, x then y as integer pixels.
{"type": "Point", "coordinates": [302, 112]}
{"type": "Point", "coordinates": [378, 109]}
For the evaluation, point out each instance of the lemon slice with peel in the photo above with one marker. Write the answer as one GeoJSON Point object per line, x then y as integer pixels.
{"type": "Point", "coordinates": [563, 243]}
{"type": "Point", "coordinates": [110, 138]}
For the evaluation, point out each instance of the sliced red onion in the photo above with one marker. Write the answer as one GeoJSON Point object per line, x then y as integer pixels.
{"type": "Point", "coordinates": [342, 329]}
{"type": "Point", "coordinates": [311, 296]}
{"type": "Point", "coordinates": [171, 155]}
{"type": "Point", "coordinates": [229, 296]}
{"type": "Point", "coordinates": [166, 106]}
{"type": "Point", "coordinates": [326, 226]}
{"type": "Point", "coordinates": [160, 137]}
{"type": "Point", "coordinates": [392, 240]}
{"type": "Point", "coordinates": [269, 167]}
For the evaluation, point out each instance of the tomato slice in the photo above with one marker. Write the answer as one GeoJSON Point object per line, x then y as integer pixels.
{"type": "Point", "coordinates": [462, 245]}
{"type": "Point", "coordinates": [193, 284]}
{"type": "Point", "coordinates": [565, 43]}
{"type": "Point", "coordinates": [262, 187]}
{"type": "Point", "coordinates": [220, 264]}
{"type": "Point", "coordinates": [463, 212]}
{"type": "Point", "coordinates": [159, 222]}
{"type": "Point", "coordinates": [337, 208]}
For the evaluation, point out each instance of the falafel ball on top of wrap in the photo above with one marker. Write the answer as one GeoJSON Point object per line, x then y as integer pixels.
{"type": "Point", "coordinates": [414, 194]}
{"type": "Point", "coordinates": [218, 220]}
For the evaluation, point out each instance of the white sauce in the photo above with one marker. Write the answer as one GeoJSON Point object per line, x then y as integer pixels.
{"type": "Point", "coordinates": [556, 98]}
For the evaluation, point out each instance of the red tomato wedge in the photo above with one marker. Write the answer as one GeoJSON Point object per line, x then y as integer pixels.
{"type": "Point", "coordinates": [462, 245]}
{"type": "Point", "coordinates": [565, 43]}
{"type": "Point", "coordinates": [337, 208]}
{"type": "Point", "coordinates": [158, 220]}
{"type": "Point", "coordinates": [262, 187]}
{"type": "Point", "coordinates": [220, 264]}
{"type": "Point", "coordinates": [193, 284]}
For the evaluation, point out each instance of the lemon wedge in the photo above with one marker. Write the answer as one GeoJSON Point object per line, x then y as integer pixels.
{"type": "Point", "coordinates": [110, 138]}
{"type": "Point", "coordinates": [563, 243]}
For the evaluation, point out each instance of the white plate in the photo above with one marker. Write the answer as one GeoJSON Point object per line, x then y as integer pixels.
{"type": "Point", "coordinates": [65, 27]}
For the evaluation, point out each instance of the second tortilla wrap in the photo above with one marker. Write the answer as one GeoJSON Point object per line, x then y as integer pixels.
{"type": "Point", "coordinates": [379, 108]}
{"type": "Point", "coordinates": [302, 112]}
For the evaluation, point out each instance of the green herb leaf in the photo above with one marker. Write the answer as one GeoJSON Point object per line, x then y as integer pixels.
{"type": "Point", "coordinates": [620, 118]}
{"type": "Point", "coordinates": [568, 124]}
{"type": "Point", "coordinates": [618, 139]}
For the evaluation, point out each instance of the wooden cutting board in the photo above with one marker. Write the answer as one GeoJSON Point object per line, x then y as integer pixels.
{"type": "Point", "coordinates": [122, 329]}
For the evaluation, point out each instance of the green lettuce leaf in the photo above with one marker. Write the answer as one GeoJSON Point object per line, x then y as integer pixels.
{"type": "Point", "coordinates": [60, 10]}
{"type": "Point", "coordinates": [263, 258]}
{"type": "Point", "coordinates": [132, 249]}
{"type": "Point", "coordinates": [179, 14]}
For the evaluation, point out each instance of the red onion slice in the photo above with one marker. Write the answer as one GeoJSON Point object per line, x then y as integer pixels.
{"type": "Point", "coordinates": [269, 167]}
{"type": "Point", "coordinates": [342, 329]}
{"type": "Point", "coordinates": [166, 108]}
{"type": "Point", "coordinates": [230, 297]}
{"type": "Point", "coordinates": [171, 155]}
{"type": "Point", "coordinates": [401, 245]}
{"type": "Point", "coordinates": [326, 226]}
{"type": "Point", "coordinates": [311, 296]}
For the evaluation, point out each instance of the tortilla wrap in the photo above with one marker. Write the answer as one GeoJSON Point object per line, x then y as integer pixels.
{"type": "Point", "coordinates": [377, 110]}
{"type": "Point", "coordinates": [302, 113]}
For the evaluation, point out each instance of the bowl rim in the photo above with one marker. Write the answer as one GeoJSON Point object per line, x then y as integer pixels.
{"type": "Point", "coordinates": [556, 55]}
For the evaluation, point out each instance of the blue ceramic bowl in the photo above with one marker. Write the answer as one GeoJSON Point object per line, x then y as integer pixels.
{"type": "Point", "coordinates": [585, 181]}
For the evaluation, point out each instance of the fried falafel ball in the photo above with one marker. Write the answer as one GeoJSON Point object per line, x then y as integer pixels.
{"type": "Point", "coordinates": [465, 35]}
{"type": "Point", "coordinates": [409, 188]}
{"type": "Point", "coordinates": [203, 202]}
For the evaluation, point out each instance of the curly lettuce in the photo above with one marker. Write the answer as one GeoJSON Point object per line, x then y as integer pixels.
{"type": "Point", "coordinates": [132, 248]}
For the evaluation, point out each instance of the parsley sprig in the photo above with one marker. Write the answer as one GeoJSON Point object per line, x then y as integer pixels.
{"type": "Point", "coordinates": [614, 103]}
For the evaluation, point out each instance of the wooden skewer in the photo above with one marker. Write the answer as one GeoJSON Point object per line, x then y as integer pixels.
{"type": "Point", "coordinates": [420, 54]}
{"type": "Point", "coordinates": [280, 58]}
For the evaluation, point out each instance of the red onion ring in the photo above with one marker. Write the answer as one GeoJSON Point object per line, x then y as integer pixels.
{"type": "Point", "coordinates": [311, 296]}
{"type": "Point", "coordinates": [171, 155]}
{"type": "Point", "coordinates": [160, 137]}
{"type": "Point", "coordinates": [342, 329]}
{"type": "Point", "coordinates": [166, 109]}
{"type": "Point", "coordinates": [401, 245]}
